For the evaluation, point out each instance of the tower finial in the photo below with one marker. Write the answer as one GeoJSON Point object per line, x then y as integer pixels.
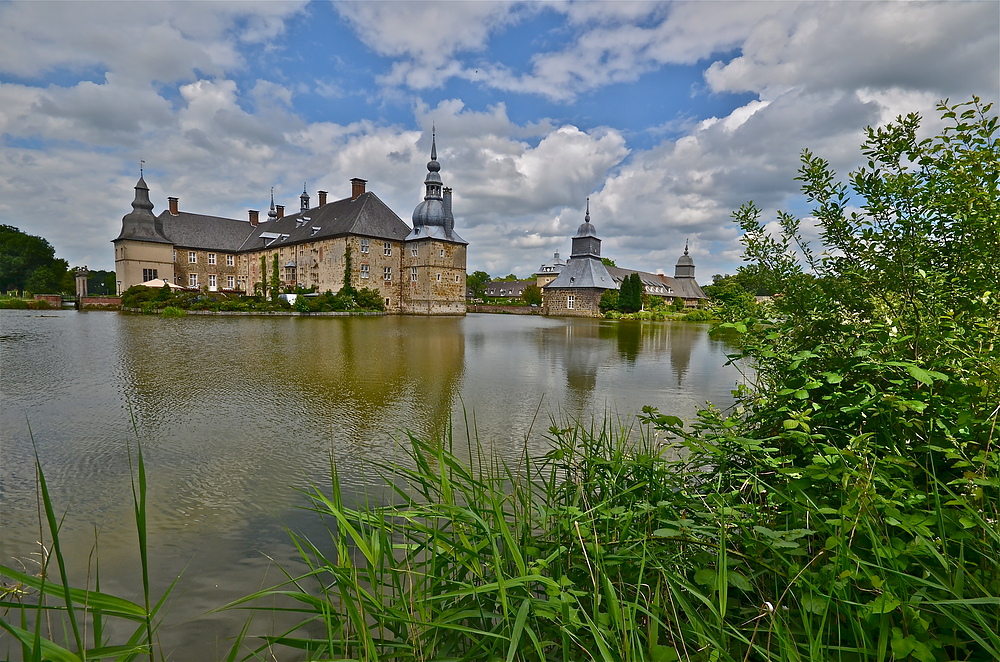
{"type": "Point", "coordinates": [685, 246]}
{"type": "Point", "coordinates": [434, 149]}
{"type": "Point", "coordinates": [141, 163]}
{"type": "Point", "coordinates": [587, 217]}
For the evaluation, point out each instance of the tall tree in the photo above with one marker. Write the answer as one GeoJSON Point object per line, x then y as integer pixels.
{"type": "Point", "coordinates": [28, 262]}
{"type": "Point", "coordinates": [630, 294]}
{"type": "Point", "coordinates": [477, 282]}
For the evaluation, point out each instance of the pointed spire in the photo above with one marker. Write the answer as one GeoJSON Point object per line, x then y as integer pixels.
{"type": "Point", "coordinates": [434, 149]}
{"type": "Point", "coordinates": [272, 213]}
{"type": "Point", "coordinates": [304, 199]}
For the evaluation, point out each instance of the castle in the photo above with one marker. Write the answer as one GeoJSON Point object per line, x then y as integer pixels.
{"type": "Point", "coordinates": [356, 240]}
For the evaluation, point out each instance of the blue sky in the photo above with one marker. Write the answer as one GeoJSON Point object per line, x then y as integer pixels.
{"type": "Point", "coordinates": [667, 115]}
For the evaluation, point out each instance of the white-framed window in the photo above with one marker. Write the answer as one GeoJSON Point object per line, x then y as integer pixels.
{"type": "Point", "coordinates": [387, 273]}
{"type": "Point", "coordinates": [230, 261]}
{"type": "Point", "coordinates": [149, 274]}
{"type": "Point", "coordinates": [386, 248]}
{"type": "Point", "coordinates": [213, 282]}
{"type": "Point", "coordinates": [211, 258]}
{"type": "Point", "coordinates": [231, 282]}
{"type": "Point", "coordinates": [570, 302]}
{"type": "Point", "coordinates": [175, 255]}
{"type": "Point", "coordinates": [364, 245]}
{"type": "Point", "coordinates": [365, 270]}
{"type": "Point", "coordinates": [413, 251]}
{"type": "Point", "coordinates": [413, 274]}
{"type": "Point", "coordinates": [438, 278]}
{"type": "Point", "coordinates": [192, 257]}
{"type": "Point", "coordinates": [192, 280]}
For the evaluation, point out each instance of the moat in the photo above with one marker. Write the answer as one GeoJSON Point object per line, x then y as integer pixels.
{"type": "Point", "coordinates": [235, 414]}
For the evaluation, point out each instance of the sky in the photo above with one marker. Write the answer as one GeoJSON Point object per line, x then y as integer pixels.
{"type": "Point", "coordinates": [666, 115]}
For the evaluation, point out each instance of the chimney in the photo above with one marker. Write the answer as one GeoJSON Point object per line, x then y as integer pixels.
{"type": "Point", "coordinates": [254, 217]}
{"type": "Point", "coordinates": [449, 218]}
{"type": "Point", "coordinates": [357, 187]}
{"type": "Point", "coordinates": [173, 206]}
{"type": "Point", "coordinates": [281, 210]}
{"type": "Point", "coordinates": [322, 198]}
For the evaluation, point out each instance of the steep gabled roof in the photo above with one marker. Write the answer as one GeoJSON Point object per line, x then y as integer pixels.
{"type": "Point", "coordinates": [685, 288]}
{"type": "Point", "coordinates": [366, 215]}
{"type": "Point", "coordinates": [199, 231]}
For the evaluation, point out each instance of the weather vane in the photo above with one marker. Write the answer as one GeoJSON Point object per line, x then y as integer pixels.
{"type": "Point", "coordinates": [141, 163]}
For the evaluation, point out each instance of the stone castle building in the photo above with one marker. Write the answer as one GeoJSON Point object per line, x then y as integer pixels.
{"type": "Point", "coordinates": [579, 283]}
{"type": "Point", "coordinates": [419, 269]}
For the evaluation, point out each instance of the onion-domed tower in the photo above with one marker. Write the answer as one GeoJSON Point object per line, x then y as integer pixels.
{"type": "Point", "coordinates": [434, 255]}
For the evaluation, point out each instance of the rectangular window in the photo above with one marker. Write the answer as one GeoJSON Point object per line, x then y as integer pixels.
{"type": "Point", "coordinates": [364, 271]}
{"type": "Point", "coordinates": [570, 302]}
{"type": "Point", "coordinates": [175, 255]}
{"type": "Point", "coordinates": [149, 274]}
{"type": "Point", "coordinates": [456, 278]}
{"type": "Point", "coordinates": [386, 248]}
{"type": "Point", "coordinates": [387, 273]}
{"type": "Point", "coordinates": [364, 245]}
{"type": "Point", "coordinates": [230, 282]}
{"type": "Point", "coordinates": [230, 261]}
{"type": "Point", "coordinates": [192, 280]}
{"type": "Point", "coordinates": [413, 274]}
{"type": "Point", "coordinates": [192, 257]}
{"type": "Point", "coordinates": [439, 277]}
{"type": "Point", "coordinates": [212, 282]}
{"type": "Point", "coordinates": [441, 252]}
{"type": "Point", "coordinates": [211, 258]}
{"type": "Point", "coordinates": [413, 251]}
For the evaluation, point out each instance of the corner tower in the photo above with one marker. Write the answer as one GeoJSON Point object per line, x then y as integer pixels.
{"type": "Point", "coordinates": [434, 256]}
{"type": "Point", "coordinates": [142, 250]}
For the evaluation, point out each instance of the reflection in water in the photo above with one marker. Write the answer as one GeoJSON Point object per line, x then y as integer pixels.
{"type": "Point", "coordinates": [235, 414]}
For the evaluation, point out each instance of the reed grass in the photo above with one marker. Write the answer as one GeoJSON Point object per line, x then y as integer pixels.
{"type": "Point", "coordinates": [611, 548]}
{"type": "Point", "coordinates": [49, 619]}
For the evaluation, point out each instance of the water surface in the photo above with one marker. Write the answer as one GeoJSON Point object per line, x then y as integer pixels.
{"type": "Point", "coordinates": [236, 414]}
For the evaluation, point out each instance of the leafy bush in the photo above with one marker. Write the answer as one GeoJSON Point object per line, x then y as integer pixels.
{"type": "Point", "coordinates": [698, 316]}
{"type": "Point", "coordinates": [171, 311]}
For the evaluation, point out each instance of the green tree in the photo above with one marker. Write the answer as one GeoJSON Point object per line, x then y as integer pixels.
{"type": "Point", "coordinates": [630, 294]}
{"type": "Point", "coordinates": [28, 262]}
{"type": "Point", "coordinates": [608, 262]}
{"type": "Point", "coordinates": [609, 301]}
{"type": "Point", "coordinates": [477, 282]}
{"type": "Point", "coordinates": [532, 295]}
{"type": "Point", "coordinates": [263, 276]}
{"type": "Point", "coordinates": [275, 278]}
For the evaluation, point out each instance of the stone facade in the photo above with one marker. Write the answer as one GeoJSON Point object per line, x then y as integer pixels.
{"type": "Point", "coordinates": [572, 302]}
{"type": "Point", "coordinates": [419, 270]}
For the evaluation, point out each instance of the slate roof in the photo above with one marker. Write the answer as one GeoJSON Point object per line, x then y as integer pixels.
{"type": "Point", "coordinates": [367, 216]}
{"type": "Point", "coordinates": [507, 288]}
{"type": "Point", "coordinates": [686, 288]}
{"type": "Point", "coordinates": [213, 233]}
{"type": "Point", "coordinates": [580, 272]}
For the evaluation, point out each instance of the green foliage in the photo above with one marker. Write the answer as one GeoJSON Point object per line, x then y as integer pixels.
{"type": "Point", "coordinates": [275, 284]}
{"type": "Point", "coordinates": [29, 263]}
{"type": "Point", "coordinates": [263, 277]}
{"type": "Point", "coordinates": [608, 262]}
{"type": "Point", "coordinates": [348, 269]}
{"type": "Point", "coordinates": [698, 316]}
{"type": "Point", "coordinates": [609, 301]}
{"type": "Point", "coordinates": [477, 282]}
{"type": "Point", "coordinates": [13, 303]}
{"type": "Point", "coordinates": [369, 299]}
{"type": "Point", "coordinates": [52, 620]}
{"type": "Point", "coordinates": [677, 304]}
{"type": "Point", "coordinates": [532, 295]}
{"type": "Point", "coordinates": [630, 294]}
{"type": "Point", "coordinates": [172, 311]}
